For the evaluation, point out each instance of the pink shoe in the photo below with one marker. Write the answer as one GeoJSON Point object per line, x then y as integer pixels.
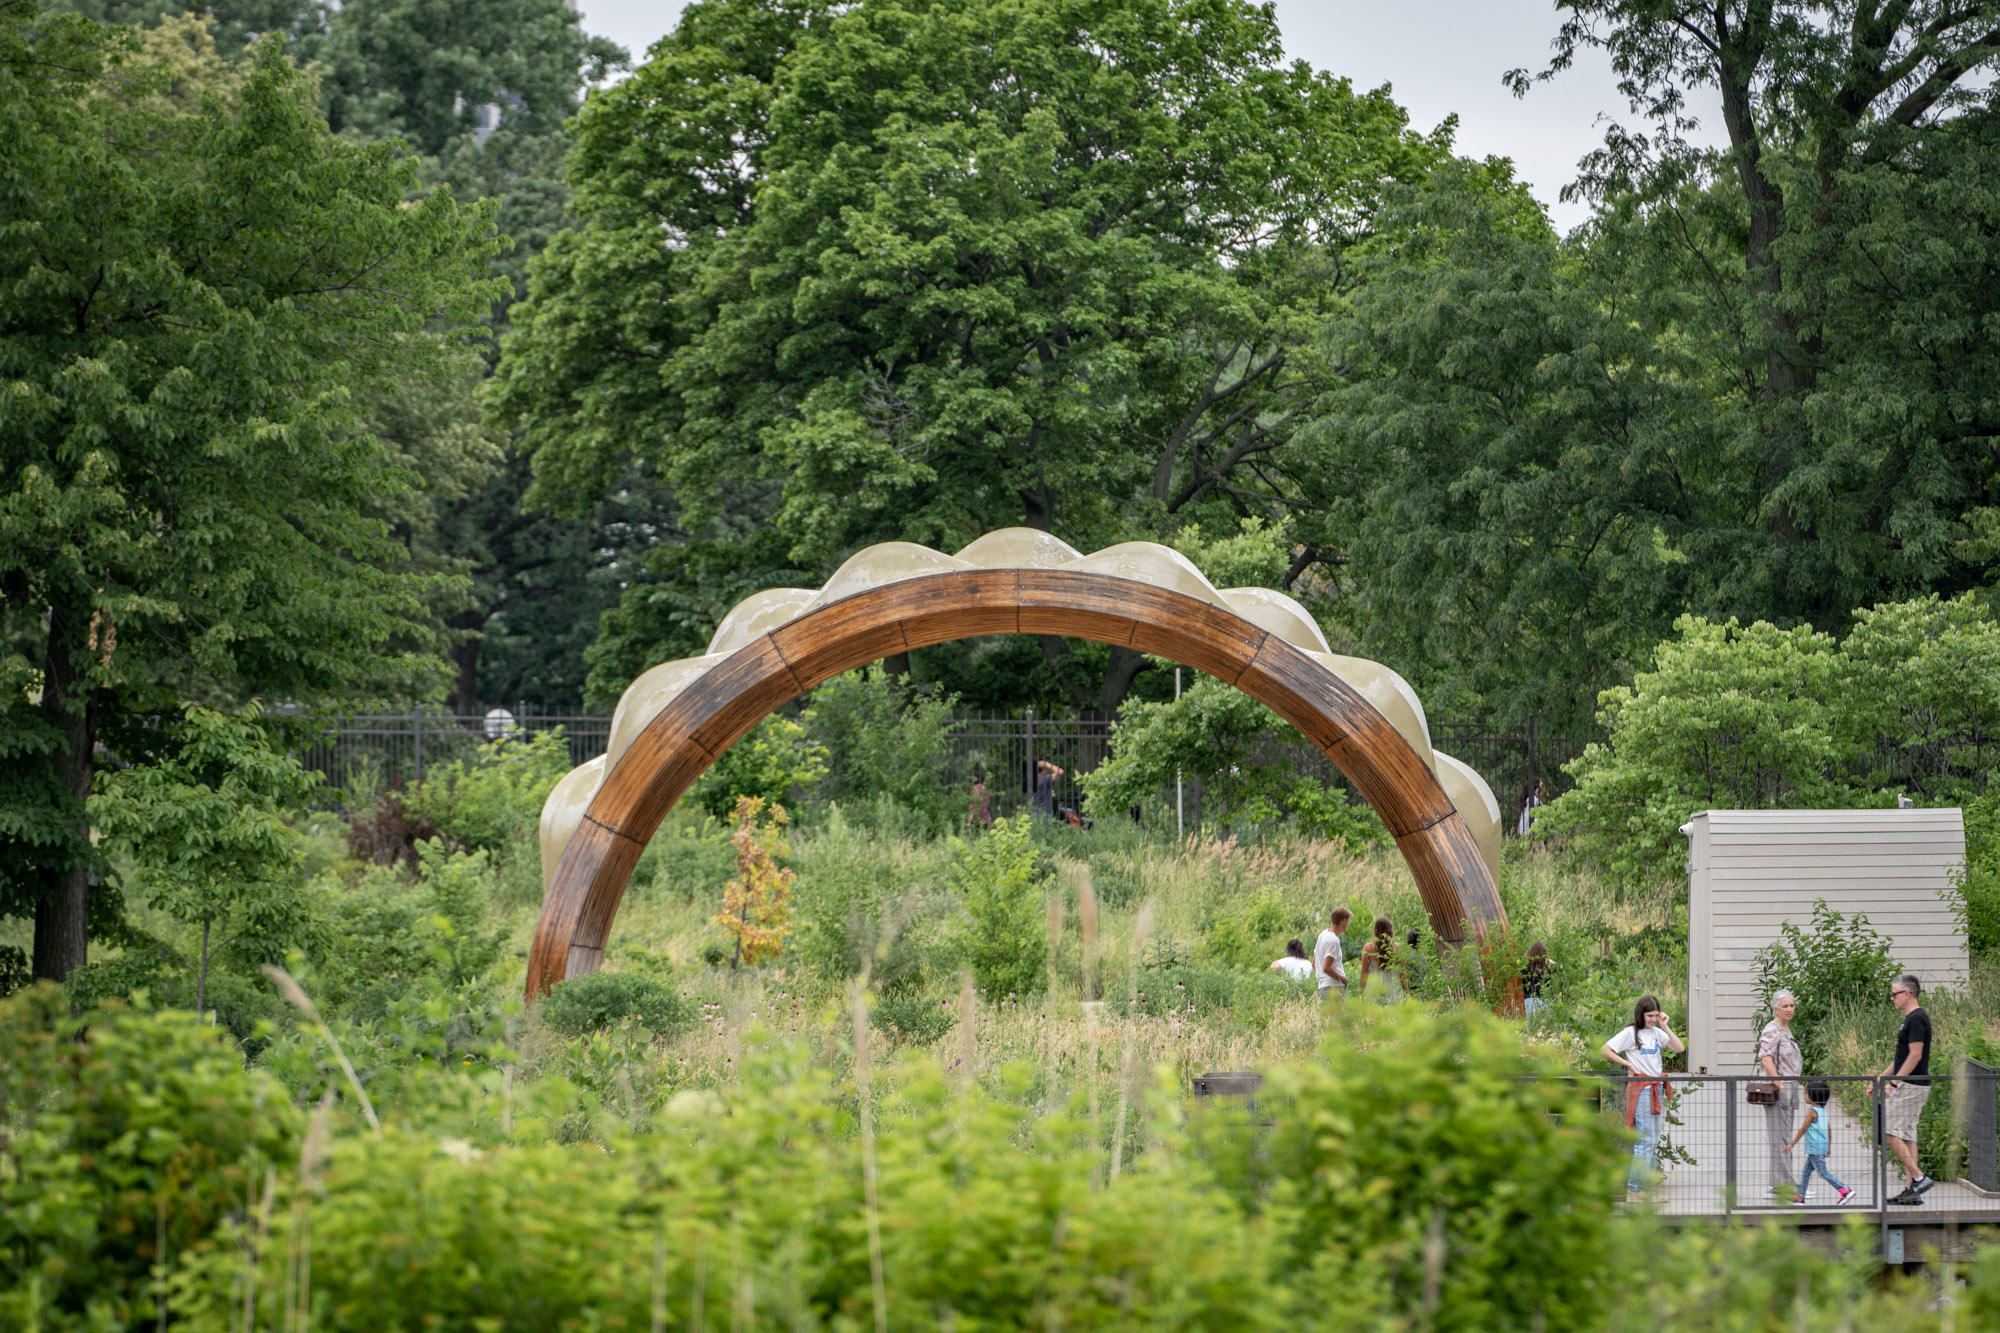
{"type": "Point", "coordinates": [1841, 1197]}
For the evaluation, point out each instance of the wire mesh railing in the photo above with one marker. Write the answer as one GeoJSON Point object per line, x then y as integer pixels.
{"type": "Point", "coordinates": [1711, 1151]}
{"type": "Point", "coordinates": [363, 753]}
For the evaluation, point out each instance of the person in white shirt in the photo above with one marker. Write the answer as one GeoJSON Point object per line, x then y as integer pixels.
{"type": "Point", "coordinates": [1295, 965]}
{"type": "Point", "coordinates": [1327, 961]}
{"type": "Point", "coordinates": [1642, 1048]}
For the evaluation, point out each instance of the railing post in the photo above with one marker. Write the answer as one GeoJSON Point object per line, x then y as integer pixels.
{"type": "Point", "coordinates": [1032, 775]}
{"type": "Point", "coordinates": [417, 739]}
{"type": "Point", "coordinates": [1531, 755]}
{"type": "Point", "coordinates": [1728, 1143]}
{"type": "Point", "coordinates": [1875, 1108]}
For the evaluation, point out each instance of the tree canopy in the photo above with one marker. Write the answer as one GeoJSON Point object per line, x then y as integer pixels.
{"type": "Point", "coordinates": [200, 293]}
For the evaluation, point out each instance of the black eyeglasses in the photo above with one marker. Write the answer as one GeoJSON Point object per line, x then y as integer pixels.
{"type": "Point", "coordinates": [1893, 992]}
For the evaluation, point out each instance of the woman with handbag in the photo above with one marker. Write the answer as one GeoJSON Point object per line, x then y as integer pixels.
{"type": "Point", "coordinates": [1778, 1055]}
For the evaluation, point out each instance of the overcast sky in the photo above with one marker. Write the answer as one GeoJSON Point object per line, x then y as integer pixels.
{"type": "Point", "coordinates": [1440, 56]}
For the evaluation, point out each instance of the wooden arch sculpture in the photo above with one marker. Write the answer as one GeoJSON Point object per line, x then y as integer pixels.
{"type": "Point", "coordinates": [678, 717]}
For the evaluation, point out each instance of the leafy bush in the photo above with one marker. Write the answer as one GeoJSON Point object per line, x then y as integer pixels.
{"type": "Point", "coordinates": [601, 1000]}
{"type": "Point", "coordinates": [1838, 961]}
{"type": "Point", "coordinates": [1756, 717]}
{"type": "Point", "coordinates": [885, 740]}
{"type": "Point", "coordinates": [848, 881]}
{"type": "Point", "coordinates": [486, 798]}
{"type": "Point", "coordinates": [757, 904]}
{"type": "Point", "coordinates": [915, 1018]}
{"type": "Point", "coordinates": [997, 875]}
{"type": "Point", "coordinates": [1447, 1164]}
{"type": "Point", "coordinates": [127, 1136]}
{"type": "Point", "coordinates": [776, 763]}
{"type": "Point", "coordinates": [1976, 890]}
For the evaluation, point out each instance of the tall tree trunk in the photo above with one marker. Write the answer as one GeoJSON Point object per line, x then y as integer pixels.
{"type": "Point", "coordinates": [201, 978]}
{"type": "Point", "coordinates": [62, 913]}
{"type": "Point", "coordinates": [464, 696]}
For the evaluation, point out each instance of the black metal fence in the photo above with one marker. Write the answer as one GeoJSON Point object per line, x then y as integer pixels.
{"type": "Point", "coordinates": [365, 753]}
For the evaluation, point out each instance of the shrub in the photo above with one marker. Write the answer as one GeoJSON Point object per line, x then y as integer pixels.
{"type": "Point", "coordinates": [126, 1137]}
{"type": "Point", "coordinates": [915, 1018]}
{"type": "Point", "coordinates": [1838, 961]}
{"type": "Point", "coordinates": [1447, 1162]}
{"type": "Point", "coordinates": [848, 884]}
{"type": "Point", "coordinates": [484, 799]}
{"type": "Point", "coordinates": [777, 762]}
{"type": "Point", "coordinates": [885, 740]}
{"type": "Point", "coordinates": [997, 876]}
{"type": "Point", "coordinates": [600, 1000]}
{"type": "Point", "coordinates": [757, 904]}
{"type": "Point", "coordinates": [1976, 890]}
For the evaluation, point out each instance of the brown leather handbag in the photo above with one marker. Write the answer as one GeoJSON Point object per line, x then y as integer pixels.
{"type": "Point", "coordinates": [1763, 1094]}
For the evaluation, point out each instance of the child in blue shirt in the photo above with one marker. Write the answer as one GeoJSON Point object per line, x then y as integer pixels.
{"type": "Point", "coordinates": [1812, 1128]}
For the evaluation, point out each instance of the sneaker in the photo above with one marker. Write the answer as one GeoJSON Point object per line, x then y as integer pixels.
{"type": "Point", "coordinates": [1921, 1185]}
{"type": "Point", "coordinates": [1801, 1202]}
{"type": "Point", "coordinates": [1908, 1198]}
{"type": "Point", "coordinates": [1633, 1187]}
{"type": "Point", "coordinates": [1841, 1197]}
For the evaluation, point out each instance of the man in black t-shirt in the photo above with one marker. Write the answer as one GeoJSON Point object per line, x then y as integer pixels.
{"type": "Point", "coordinates": [1907, 1088]}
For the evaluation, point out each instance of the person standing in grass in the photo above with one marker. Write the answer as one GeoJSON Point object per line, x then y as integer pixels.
{"type": "Point", "coordinates": [1778, 1055]}
{"type": "Point", "coordinates": [1534, 975]}
{"type": "Point", "coordinates": [1813, 1130]}
{"type": "Point", "coordinates": [1641, 1049]}
{"type": "Point", "coordinates": [1328, 962]}
{"type": "Point", "coordinates": [1378, 964]}
{"type": "Point", "coordinates": [1906, 1086]}
{"type": "Point", "coordinates": [1295, 965]}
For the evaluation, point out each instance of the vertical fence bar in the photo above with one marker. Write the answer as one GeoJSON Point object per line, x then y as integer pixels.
{"type": "Point", "coordinates": [417, 740]}
{"type": "Point", "coordinates": [1728, 1144]}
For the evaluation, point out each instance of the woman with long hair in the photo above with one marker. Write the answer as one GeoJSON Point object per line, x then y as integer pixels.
{"type": "Point", "coordinates": [1642, 1049]}
{"type": "Point", "coordinates": [1380, 965]}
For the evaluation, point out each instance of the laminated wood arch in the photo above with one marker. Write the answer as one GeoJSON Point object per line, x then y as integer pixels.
{"type": "Point", "coordinates": [817, 636]}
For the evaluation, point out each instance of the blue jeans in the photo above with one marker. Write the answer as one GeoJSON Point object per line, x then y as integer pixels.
{"type": "Point", "coordinates": [1817, 1162]}
{"type": "Point", "coordinates": [1646, 1152]}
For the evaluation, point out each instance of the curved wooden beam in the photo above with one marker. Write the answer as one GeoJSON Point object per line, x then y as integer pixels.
{"type": "Point", "coordinates": [680, 743]}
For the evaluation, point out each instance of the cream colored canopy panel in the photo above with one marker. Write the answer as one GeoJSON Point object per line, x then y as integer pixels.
{"type": "Point", "coordinates": [1017, 548]}
{"type": "Point", "coordinates": [1476, 806]}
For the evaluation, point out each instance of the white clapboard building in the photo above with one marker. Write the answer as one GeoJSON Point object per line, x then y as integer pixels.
{"type": "Point", "coordinates": [1750, 871]}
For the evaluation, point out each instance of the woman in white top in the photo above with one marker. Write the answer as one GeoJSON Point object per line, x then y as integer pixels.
{"type": "Point", "coordinates": [1642, 1049]}
{"type": "Point", "coordinates": [1295, 965]}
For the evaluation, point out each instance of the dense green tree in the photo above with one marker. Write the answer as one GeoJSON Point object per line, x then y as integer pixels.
{"type": "Point", "coordinates": [205, 825]}
{"type": "Point", "coordinates": [936, 267]}
{"type": "Point", "coordinates": [194, 300]}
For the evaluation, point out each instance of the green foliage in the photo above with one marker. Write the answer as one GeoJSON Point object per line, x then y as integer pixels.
{"type": "Point", "coordinates": [388, 937]}
{"type": "Point", "coordinates": [1445, 1147]}
{"type": "Point", "coordinates": [917, 1019]}
{"type": "Point", "coordinates": [1837, 962]}
{"type": "Point", "coordinates": [997, 876]}
{"type": "Point", "coordinates": [1976, 891]}
{"type": "Point", "coordinates": [491, 796]}
{"type": "Point", "coordinates": [127, 1137]}
{"type": "Point", "coordinates": [884, 740]}
{"type": "Point", "coordinates": [778, 762]}
{"type": "Point", "coordinates": [199, 293]}
{"type": "Point", "coordinates": [599, 1000]}
{"type": "Point", "coordinates": [848, 885]}
{"type": "Point", "coordinates": [1214, 734]}
{"type": "Point", "coordinates": [1756, 717]}
{"type": "Point", "coordinates": [204, 823]}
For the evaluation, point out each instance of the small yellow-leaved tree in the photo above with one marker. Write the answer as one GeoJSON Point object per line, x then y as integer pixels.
{"type": "Point", "coordinates": [757, 905]}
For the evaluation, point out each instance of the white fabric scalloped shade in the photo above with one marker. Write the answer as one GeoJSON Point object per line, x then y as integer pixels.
{"type": "Point", "coordinates": [1269, 609]}
{"type": "Point", "coordinates": [1391, 695]}
{"type": "Point", "coordinates": [645, 697]}
{"type": "Point", "coordinates": [564, 810]}
{"type": "Point", "coordinates": [759, 613]}
{"type": "Point", "coordinates": [1476, 806]}
{"type": "Point", "coordinates": [1150, 562]}
{"type": "Point", "coordinates": [1020, 548]}
{"type": "Point", "coordinates": [888, 562]}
